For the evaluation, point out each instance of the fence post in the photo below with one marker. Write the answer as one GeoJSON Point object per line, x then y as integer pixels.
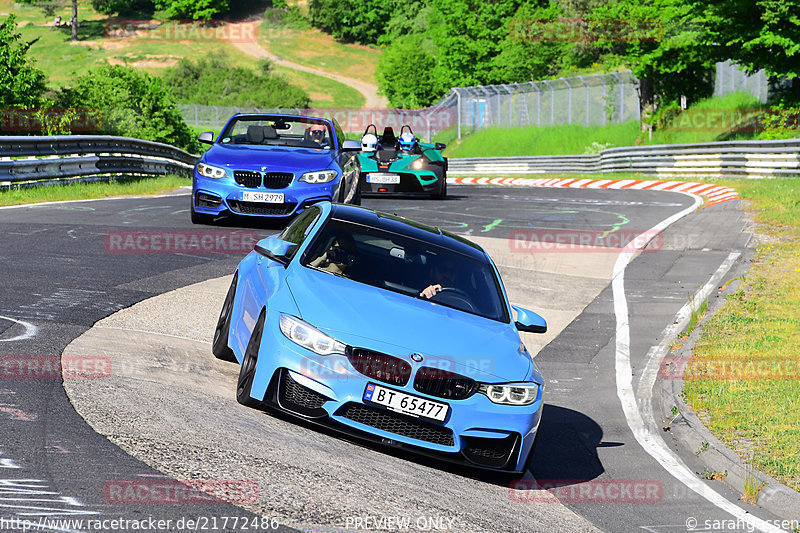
{"type": "Point", "coordinates": [552, 102]}
{"type": "Point", "coordinates": [458, 111]}
{"type": "Point", "coordinates": [587, 97]}
{"type": "Point", "coordinates": [569, 100]}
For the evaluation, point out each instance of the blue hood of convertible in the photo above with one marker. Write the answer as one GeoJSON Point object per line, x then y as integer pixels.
{"type": "Point", "coordinates": [360, 315]}
{"type": "Point", "coordinates": [275, 158]}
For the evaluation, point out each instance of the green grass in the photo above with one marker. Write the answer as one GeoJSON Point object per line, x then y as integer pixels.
{"type": "Point", "coordinates": [710, 120]}
{"type": "Point", "coordinates": [138, 186]}
{"type": "Point", "coordinates": [62, 60]}
{"type": "Point", "coordinates": [538, 140]}
{"type": "Point", "coordinates": [758, 415]}
{"type": "Point", "coordinates": [316, 49]}
{"type": "Point", "coordinates": [324, 92]}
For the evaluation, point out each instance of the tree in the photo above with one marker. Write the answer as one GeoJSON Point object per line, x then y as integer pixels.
{"type": "Point", "coordinates": [132, 103]}
{"type": "Point", "coordinates": [467, 34]}
{"type": "Point", "coordinates": [192, 9]}
{"type": "Point", "coordinates": [22, 85]}
{"type": "Point", "coordinates": [50, 8]}
{"type": "Point", "coordinates": [665, 44]}
{"type": "Point", "coordinates": [212, 81]}
{"type": "Point", "coordinates": [757, 34]}
{"type": "Point", "coordinates": [406, 72]}
{"type": "Point", "coordinates": [531, 51]}
{"type": "Point", "coordinates": [354, 20]}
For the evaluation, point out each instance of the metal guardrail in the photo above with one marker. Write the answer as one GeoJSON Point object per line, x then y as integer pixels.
{"type": "Point", "coordinates": [33, 159]}
{"type": "Point", "coordinates": [715, 159]}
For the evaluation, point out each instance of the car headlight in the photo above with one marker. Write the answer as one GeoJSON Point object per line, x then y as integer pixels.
{"type": "Point", "coordinates": [418, 164]}
{"type": "Point", "coordinates": [320, 176]}
{"type": "Point", "coordinates": [310, 337]}
{"type": "Point", "coordinates": [211, 172]}
{"type": "Point", "coordinates": [510, 393]}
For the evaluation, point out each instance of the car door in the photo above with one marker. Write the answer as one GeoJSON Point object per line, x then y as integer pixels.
{"type": "Point", "coordinates": [351, 168]}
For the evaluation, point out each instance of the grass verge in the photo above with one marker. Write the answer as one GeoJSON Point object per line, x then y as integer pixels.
{"type": "Point", "coordinates": [134, 186]}
{"type": "Point", "coordinates": [748, 393]}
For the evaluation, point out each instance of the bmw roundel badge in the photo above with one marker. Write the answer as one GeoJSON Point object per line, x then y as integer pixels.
{"type": "Point", "coordinates": [416, 357]}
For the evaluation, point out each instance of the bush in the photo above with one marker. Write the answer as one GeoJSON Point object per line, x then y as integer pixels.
{"type": "Point", "coordinates": [132, 103]}
{"type": "Point", "coordinates": [406, 73]}
{"type": "Point", "coordinates": [213, 81]}
{"type": "Point", "coordinates": [21, 83]}
{"type": "Point", "coordinates": [282, 15]}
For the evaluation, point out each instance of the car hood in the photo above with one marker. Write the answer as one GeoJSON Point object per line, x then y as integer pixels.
{"type": "Point", "coordinates": [275, 158]}
{"type": "Point", "coordinates": [382, 320]}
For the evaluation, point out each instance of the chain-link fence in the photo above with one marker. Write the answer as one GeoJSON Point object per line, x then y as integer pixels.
{"type": "Point", "coordinates": [587, 100]}
{"type": "Point", "coordinates": [590, 100]}
{"type": "Point", "coordinates": [731, 78]}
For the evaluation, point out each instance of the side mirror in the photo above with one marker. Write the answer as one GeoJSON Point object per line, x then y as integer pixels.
{"type": "Point", "coordinates": [351, 145]}
{"type": "Point", "coordinates": [440, 146]}
{"type": "Point", "coordinates": [206, 137]}
{"type": "Point", "coordinates": [274, 248]}
{"type": "Point", "coordinates": [529, 321]}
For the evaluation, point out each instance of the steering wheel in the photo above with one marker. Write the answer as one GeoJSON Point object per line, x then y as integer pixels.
{"type": "Point", "coordinates": [458, 295]}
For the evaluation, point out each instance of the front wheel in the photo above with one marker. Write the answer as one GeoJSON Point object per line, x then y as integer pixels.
{"type": "Point", "coordinates": [247, 372]}
{"type": "Point", "coordinates": [441, 194]}
{"type": "Point", "coordinates": [219, 346]}
{"type": "Point", "coordinates": [199, 218]}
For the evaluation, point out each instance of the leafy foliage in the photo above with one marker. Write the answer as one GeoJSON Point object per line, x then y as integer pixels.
{"type": "Point", "coordinates": [21, 83]}
{"type": "Point", "coordinates": [213, 80]}
{"type": "Point", "coordinates": [124, 7]}
{"type": "Point", "coordinates": [663, 41]}
{"type": "Point", "coordinates": [406, 72]}
{"type": "Point", "coordinates": [353, 20]}
{"type": "Point", "coordinates": [133, 104]}
{"type": "Point", "coordinates": [192, 9]}
{"type": "Point", "coordinates": [757, 33]}
{"type": "Point", "coordinates": [282, 15]}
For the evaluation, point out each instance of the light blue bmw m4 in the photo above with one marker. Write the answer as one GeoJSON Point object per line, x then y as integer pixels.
{"type": "Point", "coordinates": [385, 329]}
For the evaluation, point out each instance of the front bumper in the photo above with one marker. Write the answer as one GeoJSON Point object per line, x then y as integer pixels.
{"type": "Point", "coordinates": [422, 182]}
{"type": "Point", "coordinates": [328, 390]}
{"type": "Point", "coordinates": [224, 196]}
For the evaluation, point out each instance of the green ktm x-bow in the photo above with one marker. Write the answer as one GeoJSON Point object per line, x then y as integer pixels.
{"type": "Point", "coordinates": [401, 166]}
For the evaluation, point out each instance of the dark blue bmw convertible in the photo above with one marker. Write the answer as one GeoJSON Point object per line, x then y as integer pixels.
{"type": "Point", "coordinates": [274, 166]}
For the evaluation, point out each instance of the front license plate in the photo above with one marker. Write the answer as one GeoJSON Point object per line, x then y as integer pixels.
{"type": "Point", "coordinates": [406, 403]}
{"type": "Point", "coordinates": [263, 197]}
{"type": "Point", "coordinates": [383, 178]}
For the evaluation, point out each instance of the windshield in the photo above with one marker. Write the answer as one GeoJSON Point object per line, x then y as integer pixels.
{"type": "Point", "coordinates": [408, 266]}
{"type": "Point", "coordinates": [278, 131]}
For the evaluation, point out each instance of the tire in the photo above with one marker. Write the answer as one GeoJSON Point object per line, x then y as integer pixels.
{"type": "Point", "coordinates": [442, 193]}
{"type": "Point", "coordinates": [199, 218]}
{"type": "Point", "coordinates": [248, 369]}
{"type": "Point", "coordinates": [357, 197]}
{"type": "Point", "coordinates": [219, 346]}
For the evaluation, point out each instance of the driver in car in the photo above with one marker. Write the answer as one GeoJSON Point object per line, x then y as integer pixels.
{"type": "Point", "coordinates": [317, 134]}
{"type": "Point", "coordinates": [339, 255]}
{"type": "Point", "coordinates": [446, 274]}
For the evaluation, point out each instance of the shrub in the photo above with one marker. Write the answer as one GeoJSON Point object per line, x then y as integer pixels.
{"type": "Point", "coordinates": [132, 103]}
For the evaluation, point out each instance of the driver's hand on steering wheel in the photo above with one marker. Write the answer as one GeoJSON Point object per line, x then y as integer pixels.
{"type": "Point", "coordinates": [430, 291]}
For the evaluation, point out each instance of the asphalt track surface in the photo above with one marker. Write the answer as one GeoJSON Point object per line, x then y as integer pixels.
{"type": "Point", "coordinates": [60, 277]}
